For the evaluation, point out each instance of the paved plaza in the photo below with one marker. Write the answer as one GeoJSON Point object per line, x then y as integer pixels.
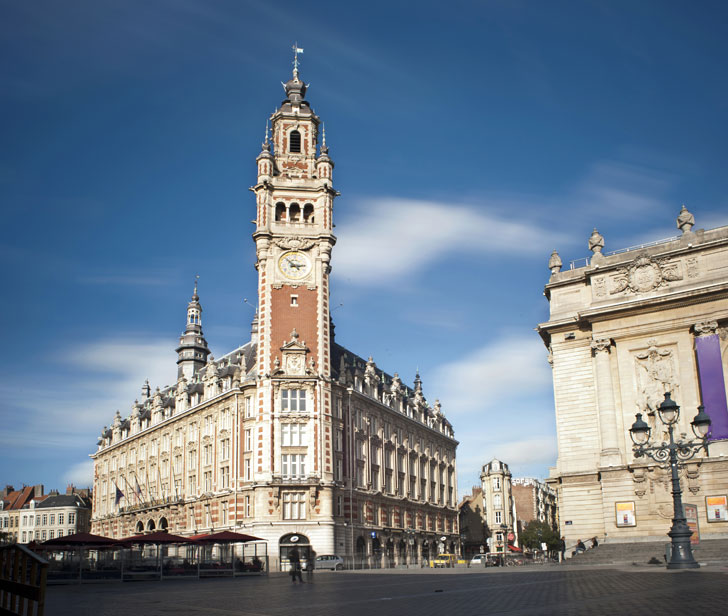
{"type": "Point", "coordinates": [464, 592]}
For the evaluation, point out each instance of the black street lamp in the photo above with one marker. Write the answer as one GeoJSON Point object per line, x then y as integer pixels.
{"type": "Point", "coordinates": [673, 453]}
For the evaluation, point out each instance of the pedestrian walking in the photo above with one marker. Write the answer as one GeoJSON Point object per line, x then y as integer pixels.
{"type": "Point", "coordinates": [562, 549]}
{"type": "Point", "coordinates": [310, 565]}
{"type": "Point", "coordinates": [294, 558]}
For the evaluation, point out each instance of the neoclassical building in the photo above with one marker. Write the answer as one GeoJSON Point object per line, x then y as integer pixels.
{"type": "Point", "coordinates": [290, 437]}
{"type": "Point", "coordinates": [624, 328]}
{"type": "Point", "coordinates": [498, 505]}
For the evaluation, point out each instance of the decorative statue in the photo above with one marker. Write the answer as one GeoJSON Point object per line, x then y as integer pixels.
{"type": "Point", "coordinates": [596, 242]}
{"type": "Point", "coordinates": [685, 220]}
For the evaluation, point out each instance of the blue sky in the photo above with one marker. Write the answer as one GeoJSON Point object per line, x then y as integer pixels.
{"type": "Point", "coordinates": [470, 139]}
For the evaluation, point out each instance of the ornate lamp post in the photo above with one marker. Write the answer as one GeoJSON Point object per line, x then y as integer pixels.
{"type": "Point", "coordinates": [673, 453]}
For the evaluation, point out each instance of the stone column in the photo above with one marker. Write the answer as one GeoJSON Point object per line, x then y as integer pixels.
{"type": "Point", "coordinates": [610, 453]}
{"type": "Point", "coordinates": [710, 377]}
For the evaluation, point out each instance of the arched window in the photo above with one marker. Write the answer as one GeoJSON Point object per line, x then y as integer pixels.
{"type": "Point", "coordinates": [150, 525]}
{"type": "Point", "coordinates": [280, 211]}
{"type": "Point", "coordinates": [308, 213]}
{"type": "Point", "coordinates": [295, 141]}
{"type": "Point", "coordinates": [139, 527]}
{"type": "Point", "coordinates": [294, 212]}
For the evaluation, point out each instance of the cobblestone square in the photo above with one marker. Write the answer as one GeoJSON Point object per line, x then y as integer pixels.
{"type": "Point", "coordinates": [542, 590]}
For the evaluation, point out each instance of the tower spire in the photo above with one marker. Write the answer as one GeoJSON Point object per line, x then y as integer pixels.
{"type": "Point", "coordinates": [296, 51]}
{"type": "Point", "coordinates": [192, 351]}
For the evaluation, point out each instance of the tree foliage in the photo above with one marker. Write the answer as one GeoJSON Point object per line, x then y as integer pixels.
{"type": "Point", "coordinates": [535, 533]}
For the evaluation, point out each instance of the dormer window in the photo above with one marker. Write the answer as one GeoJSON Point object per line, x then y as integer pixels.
{"type": "Point", "coordinates": [295, 142]}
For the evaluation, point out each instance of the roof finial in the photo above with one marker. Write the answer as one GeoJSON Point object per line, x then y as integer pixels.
{"type": "Point", "coordinates": [324, 147]}
{"type": "Point", "coordinates": [266, 142]}
{"type": "Point", "coordinates": [296, 51]}
{"type": "Point", "coordinates": [194, 293]}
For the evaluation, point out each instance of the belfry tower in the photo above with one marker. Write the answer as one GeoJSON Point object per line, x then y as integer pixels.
{"type": "Point", "coordinates": [294, 237]}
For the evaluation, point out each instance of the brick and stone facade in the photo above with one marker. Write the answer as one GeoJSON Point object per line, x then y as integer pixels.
{"type": "Point", "coordinates": [625, 328]}
{"type": "Point", "coordinates": [290, 437]}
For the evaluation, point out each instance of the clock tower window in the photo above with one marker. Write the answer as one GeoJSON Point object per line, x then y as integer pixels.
{"type": "Point", "coordinates": [294, 212]}
{"type": "Point", "coordinates": [280, 211]}
{"type": "Point", "coordinates": [308, 213]}
{"type": "Point", "coordinates": [295, 142]}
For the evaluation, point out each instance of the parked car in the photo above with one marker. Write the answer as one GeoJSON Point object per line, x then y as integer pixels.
{"type": "Point", "coordinates": [478, 560]}
{"type": "Point", "coordinates": [330, 561]}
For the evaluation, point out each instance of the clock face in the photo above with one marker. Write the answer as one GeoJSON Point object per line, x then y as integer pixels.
{"type": "Point", "coordinates": [294, 264]}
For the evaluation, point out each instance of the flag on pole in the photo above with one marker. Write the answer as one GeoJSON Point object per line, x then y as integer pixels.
{"type": "Point", "coordinates": [119, 495]}
{"type": "Point", "coordinates": [298, 50]}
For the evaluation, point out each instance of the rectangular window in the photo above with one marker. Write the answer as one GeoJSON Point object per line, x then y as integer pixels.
{"type": "Point", "coordinates": [496, 483]}
{"type": "Point", "coordinates": [178, 488]}
{"type": "Point", "coordinates": [51, 534]}
{"type": "Point", "coordinates": [225, 449]}
{"type": "Point", "coordinates": [45, 519]}
{"type": "Point", "coordinates": [339, 440]}
{"type": "Point", "coordinates": [60, 533]}
{"type": "Point", "coordinates": [338, 405]}
{"type": "Point", "coordinates": [294, 505]}
{"type": "Point", "coordinates": [223, 512]}
{"type": "Point", "coordinates": [249, 439]}
{"type": "Point", "coordinates": [208, 481]}
{"type": "Point", "coordinates": [60, 518]}
{"type": "Point", "coordinates": [293, 465]}
{"type": "Point", "coordinates": [191, 485]}
{"type": "Point", "coordinates": [248, 407]}
{"type": "Point", "coordinates": [192, 461]}
{"type": "Point", "coordinates": [224, 477]}
{"type": "Point", "coordinates": [293, 435]}
{"type": "Point", "coordinates": [43, 535]}
{"type": "Point", "coordinates": [498, 517]}
{"type": "Point", "coordinates": [178, 464]}
{"type": "Point", "coordinates": [339, 470]}
{"type": "Point", "coordinates": [52, 518]}
{"type": "Point", "coordinates": [207, 454]}
{"type": "Point", "coordinates": [339, 506]}
{"type": "Point", "coordinates": [247, 507]}
{"type": "Point", "coordinates": [248, 469]}
{"type": "Point", "coordinates": [293, 400]}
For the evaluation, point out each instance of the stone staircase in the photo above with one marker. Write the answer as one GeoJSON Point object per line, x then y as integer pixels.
{"type": "Point", "coordinates": [712, 551]}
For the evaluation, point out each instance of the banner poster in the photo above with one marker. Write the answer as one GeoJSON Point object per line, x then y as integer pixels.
{"type": "Point", "coordinates": [717, 508]}
{"type": "Point", "coordinates": [691, 517]}
{"type": "Point", "coordinates": [625, 514]}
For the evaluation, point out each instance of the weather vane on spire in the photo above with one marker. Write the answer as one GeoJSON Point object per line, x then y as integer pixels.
{"type": "Point", "coordinates": [296, 51]}
{"type": "Point", "coordinates": [197, 277]}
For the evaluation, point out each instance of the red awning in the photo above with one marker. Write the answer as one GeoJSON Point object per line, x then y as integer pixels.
{"type": "Point", "coordinates": [157, 538]}
{"type": "Point", "coordinates": [79, 540]}
{"type": "Point", "coordinates": [226, 536]}
{"type": "Point", "coordinates": [513, 548]}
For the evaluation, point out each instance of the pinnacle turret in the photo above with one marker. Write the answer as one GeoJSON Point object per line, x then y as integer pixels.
{"type": "Point", "coordinates": [192, 351]}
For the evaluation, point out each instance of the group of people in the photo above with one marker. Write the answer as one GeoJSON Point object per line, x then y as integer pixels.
{"type": "Point", "coordinates": [578, 548]}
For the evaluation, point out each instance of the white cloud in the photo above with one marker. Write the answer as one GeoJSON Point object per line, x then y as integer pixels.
{"type": "Point", "coordinates": [511, 369]}
{"type": "Point", "coordinates": [81, 474]}
{"type": "Point", "coordinates": [499, 400]}
{"type": "Point", "coordinates": [105, 375]}
{"type": "Point", "coordinates": [390, 237]}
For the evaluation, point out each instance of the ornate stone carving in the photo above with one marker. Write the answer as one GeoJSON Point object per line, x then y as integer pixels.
{"type": "Point", "coordinates": [706, 328]}
{"type": "Point", "coordinates": [691, 265]}
{"type": "Point", "coordinates": [655, 375]}
{"type": "Point", "coordinates": [600, 286]}
{"type": "Point", "coordinates": [293, 242]}
{"type": "Point", "coordinates": [685, 220]}
{"type": "Point", "coordinates": [295, 364]}
{"type": "Point", "coordinates": [601, 345]}
{"type": "Point", "coordinates": [644, 274]}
